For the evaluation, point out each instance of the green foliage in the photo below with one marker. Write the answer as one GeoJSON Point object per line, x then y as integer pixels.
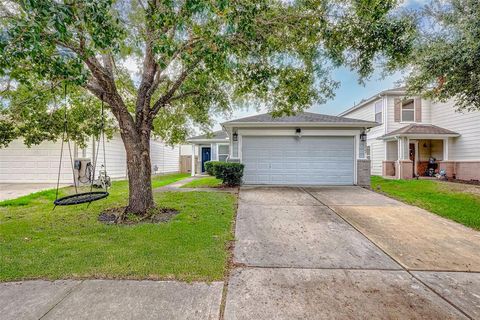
{"type": "Point", "coordinates": [37, 114]}
{"type": "Point", "coordinates": [74, 244]}
{"type": "Point", "coordinates": [230, 173]}
{"type": "Point", "coordinates": [208, 58]}
{"type": "Point", "coordinates": [210, 167]}
{"type": "Point", "coordinates": [445, 60]}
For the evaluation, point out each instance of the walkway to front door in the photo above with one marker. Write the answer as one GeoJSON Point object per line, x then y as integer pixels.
{"type": "Point", "coordinates": [348, 253]}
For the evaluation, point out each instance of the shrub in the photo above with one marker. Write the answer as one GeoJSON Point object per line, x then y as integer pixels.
{"type": "Point", "coordinates": [210, 167]}
{"type": "Point", "coordinates": [230, 173]}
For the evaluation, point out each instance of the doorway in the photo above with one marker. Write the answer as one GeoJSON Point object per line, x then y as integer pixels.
{"type": "Point", "coordinates": [206, 156]}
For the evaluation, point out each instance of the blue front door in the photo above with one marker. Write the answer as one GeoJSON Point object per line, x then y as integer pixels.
{"type": "Point", "coordinates": [206, 156]}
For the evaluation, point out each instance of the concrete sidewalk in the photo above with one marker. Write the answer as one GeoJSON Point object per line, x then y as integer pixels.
{"type": "Point", "coordinates": [109, 299]}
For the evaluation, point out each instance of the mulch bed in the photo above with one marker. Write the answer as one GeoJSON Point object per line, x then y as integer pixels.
{"type": "Point", "coordinates": [156, 215]}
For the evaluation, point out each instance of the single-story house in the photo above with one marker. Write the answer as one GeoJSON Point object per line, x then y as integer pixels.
{"type": "Point", "coordinates": [416, 136]}
{"type": "Point", "coordinates": [39, 163]}
{"type": "Point", "coordinates": [304, 149]}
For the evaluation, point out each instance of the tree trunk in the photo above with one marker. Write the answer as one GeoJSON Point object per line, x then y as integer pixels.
{"type": "Point", "coordinates": [140, 198]}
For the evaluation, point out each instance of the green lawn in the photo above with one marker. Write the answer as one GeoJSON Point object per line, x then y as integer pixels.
{"type": "Point", "coordinates": [207, 182]}
{"type": "Point", "coordinates": [36, 242]}
{"type": "Point", "coordinates": [445, 199]}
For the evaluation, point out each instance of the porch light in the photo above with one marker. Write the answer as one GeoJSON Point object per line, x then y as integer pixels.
{"type": "Point", "coordinates": [298, 131]}
{"type": "Point", "coordinates": [363, 136]}
{"type": "Point", "coordinates": [235, 136]}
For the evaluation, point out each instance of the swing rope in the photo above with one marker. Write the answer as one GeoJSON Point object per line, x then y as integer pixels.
{"type": "Point", "coordinates": [98, 149]}
{"type": "Point", "coordinates": [86, 197]}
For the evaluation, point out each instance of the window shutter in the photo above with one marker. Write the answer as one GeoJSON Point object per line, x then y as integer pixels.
{"type": "Point", "coordinates": [398, 108]}
{"type": "Point", "coordinates": [418, 109]}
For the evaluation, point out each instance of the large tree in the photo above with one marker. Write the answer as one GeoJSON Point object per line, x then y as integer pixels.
{"type": "Point", "coordinates": [445, 62]}
{"type": "Point", "coordinates": [197, 57]}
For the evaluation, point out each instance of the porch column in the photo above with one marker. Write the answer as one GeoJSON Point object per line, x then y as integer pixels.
{"type": "Point", "coordinates": [404, 167]}
{"type": "Point", "coordinates": [445, 149]}
{"type": "Point", "coordinates": [193, 160]}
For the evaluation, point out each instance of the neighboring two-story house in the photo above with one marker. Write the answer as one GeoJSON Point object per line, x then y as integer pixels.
{"type": "Point", "coordinates": [414, 130]}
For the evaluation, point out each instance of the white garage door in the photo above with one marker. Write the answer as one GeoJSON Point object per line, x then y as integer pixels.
{"type": "Point", "coordinates": [305, 160]}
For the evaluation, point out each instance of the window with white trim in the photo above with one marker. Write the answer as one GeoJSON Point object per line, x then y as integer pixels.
{"type": "Point", "coordinates": [378, 111]}
{"type": "Point", "coordinates": [408, 111]}
{"type": "Point", "coordinates": [223, 152]}
{"type": "Point", "coordinates": [368, 152]}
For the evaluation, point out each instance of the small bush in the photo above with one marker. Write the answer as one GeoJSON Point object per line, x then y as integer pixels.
{"type": "Point", "coordinates": [230, 173]}
{"type": "Point", "coordinates": [210, 167]}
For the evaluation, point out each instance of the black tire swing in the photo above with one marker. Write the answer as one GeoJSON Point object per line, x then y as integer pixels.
{"type": "Point", "coordinates": [84, 197]}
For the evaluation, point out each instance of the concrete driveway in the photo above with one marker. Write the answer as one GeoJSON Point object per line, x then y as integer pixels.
{"type": "Point", "coordinates": [348, 253]}
{"type": "Point", "coordinates": [15, 190]}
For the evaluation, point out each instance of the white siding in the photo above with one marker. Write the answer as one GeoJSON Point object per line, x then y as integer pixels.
{"type": "Point", "coordinates": [377, 154]}
{"type": "Point", "coordinates": [38, 164]}
{"type": "Point", "coordinates": [377, 147]}
{"type": "Point", "coordinates": [367, 112]}
{"type": "Point", "coordinates": [392, 150]}
{"type": "Point", "coordinates": [115, 157]}
{"type": "Point", "coordinates": [166, 158]}
{"type": "Point", "coordinates": [467, 146]}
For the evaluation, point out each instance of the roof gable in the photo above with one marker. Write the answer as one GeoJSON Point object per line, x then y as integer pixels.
{"type": "Point", "coordinates": [216, 135]}
{"type": "Point", "coordinates": [304, 117]}
{"type": "Point", "coordinates": [420, 129]}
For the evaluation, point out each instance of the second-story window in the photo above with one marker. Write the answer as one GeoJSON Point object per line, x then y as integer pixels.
{"type": "Point", "coordinates": [378, 111]}
{"type": "Point", "coordinates": [408, 111]}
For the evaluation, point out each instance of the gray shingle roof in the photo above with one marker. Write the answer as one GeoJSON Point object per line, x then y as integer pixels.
{"type": "Point", "coordinates": [304, 117]}
{"type": "Point", "coordinates": [217, 135]}
{"type": "Point", "coordinates": [420, 129]}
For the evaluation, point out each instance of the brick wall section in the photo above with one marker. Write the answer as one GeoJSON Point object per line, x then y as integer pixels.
{"type": "Point", "coordinates": [449, 167]}
{"type": "Point", "coordinates": [404, 169]}
{"type": "Point", "coordinates": [467, 170]}
{"type": "Point", "coordinates": [363, 172]}
{"type": "Point", "coordinates": [388, 168]}
{"type": "Point", "coordinates": [463, 170]}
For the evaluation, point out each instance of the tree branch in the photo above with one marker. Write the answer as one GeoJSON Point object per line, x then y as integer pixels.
{"type": "Point", "coordinates": [169, 94]}
{"type": "Point", "coordinates": [184, 95]}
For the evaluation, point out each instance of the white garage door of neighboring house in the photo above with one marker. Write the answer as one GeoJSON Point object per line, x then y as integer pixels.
{"type": "Point", "coordinates": [306, 160]}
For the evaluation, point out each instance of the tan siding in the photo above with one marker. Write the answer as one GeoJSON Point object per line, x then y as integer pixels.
{"type": "Point", "coordinates": [436, 148]}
